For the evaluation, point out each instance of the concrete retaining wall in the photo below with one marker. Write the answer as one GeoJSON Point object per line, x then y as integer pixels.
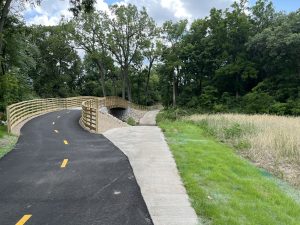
{"type": "Point", "coordinates": [107, 122]}
{"type": "Point", "coordinates": [124, 114]}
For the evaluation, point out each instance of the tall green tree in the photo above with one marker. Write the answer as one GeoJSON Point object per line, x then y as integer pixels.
{"type": "Point", "coordinates": [173, 34]}
{"type": "Point", "coordinates": [129, 31]}
{"type": "Point", "coordinates": [88, 33]}
{"type": "Point", "coordinates": [59, 65]}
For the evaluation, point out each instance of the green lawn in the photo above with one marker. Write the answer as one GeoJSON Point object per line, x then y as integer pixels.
{"type": "Point", "coordinates": [6, 141]}
{"type": "Point", "coordinates": [223, 187]}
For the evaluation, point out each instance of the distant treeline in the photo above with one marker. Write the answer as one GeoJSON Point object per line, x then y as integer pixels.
{"type": "Point", "coordinates": [236, 60]}
{"type": "Point", "coordinates": [240, 60]}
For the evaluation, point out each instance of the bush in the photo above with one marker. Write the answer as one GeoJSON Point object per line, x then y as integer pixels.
{"type": "Point", "coordinates": [233, 131]}
{"type": "Point", "coordinates": [218, 108]}
{"type": "Point", "coordinates": [279, 108]}
{"type": "Point", "coordinates": [172, 114]}
{"type": "Point", "coordinates": [289, 108]}
{"type": "Point", "coordinates": [294, 107]}
{"type": "Point", "coordinates": [14, 87]}
{"type": "Point", "coordinates": [208, 97]}
{"type": "Point", "coordinates": [131, 121]}
{"type": "Point", "coordinates": [257, 102]}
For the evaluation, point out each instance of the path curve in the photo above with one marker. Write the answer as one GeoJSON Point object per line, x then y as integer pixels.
{"type": "Point", "coordinates": [97, 185]}
{"type": "Point", "coordinates": [149, 119]}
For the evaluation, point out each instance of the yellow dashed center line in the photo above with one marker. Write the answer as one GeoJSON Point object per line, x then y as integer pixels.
{"type": "Point", "coordinates": [66, 142]}
{"type": "Point", "coordinates": [64, 163]}
{"type": "Point", "coordinates": [23, 220]}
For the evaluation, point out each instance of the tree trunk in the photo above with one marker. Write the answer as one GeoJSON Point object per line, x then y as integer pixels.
{"type": "Point", "coordinates": [123, 85]}
{"type": "Point", "coordinates": [174, 89]}
{"type": "Point", "coordinates": [138, 89]}
{"type": "Point", "coordinates": [4, 14]}
{"type": "Point", "coordinates": [128, 87]}
{"type": "Point", "coordinates": [115, 88]}
{"type": "Point", "coordinates": [127, 81]}
{"type": "Point", "coordinates": [102, 78]}
{"type": "Point", "coordinates": [148, 80]}
{"type": "Point", "coordinates": [102, 83]}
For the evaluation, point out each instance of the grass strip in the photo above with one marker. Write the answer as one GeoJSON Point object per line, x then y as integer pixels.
{"type": "Point", "coordinates": [225, 188]}
{"type": "Point", "coordinates": [7, 141]}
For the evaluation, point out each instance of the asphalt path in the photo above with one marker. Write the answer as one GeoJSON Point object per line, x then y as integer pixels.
{"type": "Point", "coordinates": [59, 174]}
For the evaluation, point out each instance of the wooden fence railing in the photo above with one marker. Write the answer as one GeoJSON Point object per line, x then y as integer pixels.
{"type": "Point", "coordinates": [90, 109]}
{"type": "Point", "coordinates": [21, 111]}
{"type": "Point", "coordinates": [16, 113]}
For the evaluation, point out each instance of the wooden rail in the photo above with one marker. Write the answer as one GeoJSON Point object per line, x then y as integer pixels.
{"type": "Point", "coordinates": [90, 109]}
{"type": "Point", "coordinates": [21, 111]}
{"type": "Point", "coordinates": [17, 113]}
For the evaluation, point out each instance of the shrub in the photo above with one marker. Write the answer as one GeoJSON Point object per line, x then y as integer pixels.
{"type": "Point", "coordinates": [257, 102]}
{"type": "Point", "coordinates": [233, 131]}
{"type": "Point", "coordinates": [279, 108]}
{"type": "Point", "coordinates": [172, 114]}
{"type": "Point", "coordinates": [208, 97]}
{"type": "Point", "coordinates": [131, 121]}
{"type": "Point", "coordinates": [218, 108]}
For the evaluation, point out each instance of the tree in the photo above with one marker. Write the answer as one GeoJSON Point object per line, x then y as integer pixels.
{"type": "Point", "coordinates": [128, 31]}
{"type": "Point", "coordinates": [87, 31]}
{"type": "Point", "coordinates": [59, 64]}
{"type": "Point", "coordinates": [152, 54]}
{"type": "Point", "coordinates": [263, 14]}
{"type": "Point", "coordinates": [76, 6]}
{"type": "Point", "coordinates": [173, 34]}
{"type": "Point", "coordinates": [18, 58]}
{"type": "Point", "coordinates": [237, 66]}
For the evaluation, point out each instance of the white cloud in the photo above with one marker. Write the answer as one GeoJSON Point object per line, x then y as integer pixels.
{"type": "Point", "coordinates": [51, 11]}
{"type": "Point", "coordinates": [177, 7]}
{"type": "Point", "coordinates": [162, 10]}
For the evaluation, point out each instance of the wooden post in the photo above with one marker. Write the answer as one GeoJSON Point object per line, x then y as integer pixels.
{"type": "Point", "coordinates": [8, 119]}
{"type": "Point", "coordinates": [97, 116]}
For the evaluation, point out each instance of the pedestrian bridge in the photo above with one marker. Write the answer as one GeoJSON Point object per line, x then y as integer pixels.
{"type": "Point", "coordinates": [95, 111]}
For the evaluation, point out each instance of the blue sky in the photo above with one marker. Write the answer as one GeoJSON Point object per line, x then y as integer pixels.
{"type": "Point", "coordinates": [284, 5]}
{"type": "Point", "coordinates": [50, 11]}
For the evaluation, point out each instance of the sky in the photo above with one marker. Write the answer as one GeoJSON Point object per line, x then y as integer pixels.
{"type": "Point", "coordinates": [50, 11]}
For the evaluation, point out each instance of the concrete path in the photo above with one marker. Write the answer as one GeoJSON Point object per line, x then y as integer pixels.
{"type": "Point", "coordinates": [156, 173]}
{"type": "Point", "coordinates": [149, 118]}
{"type": "Point", "coordinates": [59, 174]}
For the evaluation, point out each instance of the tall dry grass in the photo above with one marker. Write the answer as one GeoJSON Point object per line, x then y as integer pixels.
{"type": "Point", "coordinates": [272, 142]}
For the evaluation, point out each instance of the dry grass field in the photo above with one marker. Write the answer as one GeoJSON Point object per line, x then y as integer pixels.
{"type": "Point", "coordinates": [271, 142]}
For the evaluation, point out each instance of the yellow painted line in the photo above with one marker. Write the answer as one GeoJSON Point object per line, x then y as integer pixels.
{"type": "Point", "coordinates": [66, 142]}
{"type": "Point", "coordinates": [56, 131]}
{"type": "Point", "coordinates": [23, 220]}
{"type": "Point", "coordinates": [64, 163]}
